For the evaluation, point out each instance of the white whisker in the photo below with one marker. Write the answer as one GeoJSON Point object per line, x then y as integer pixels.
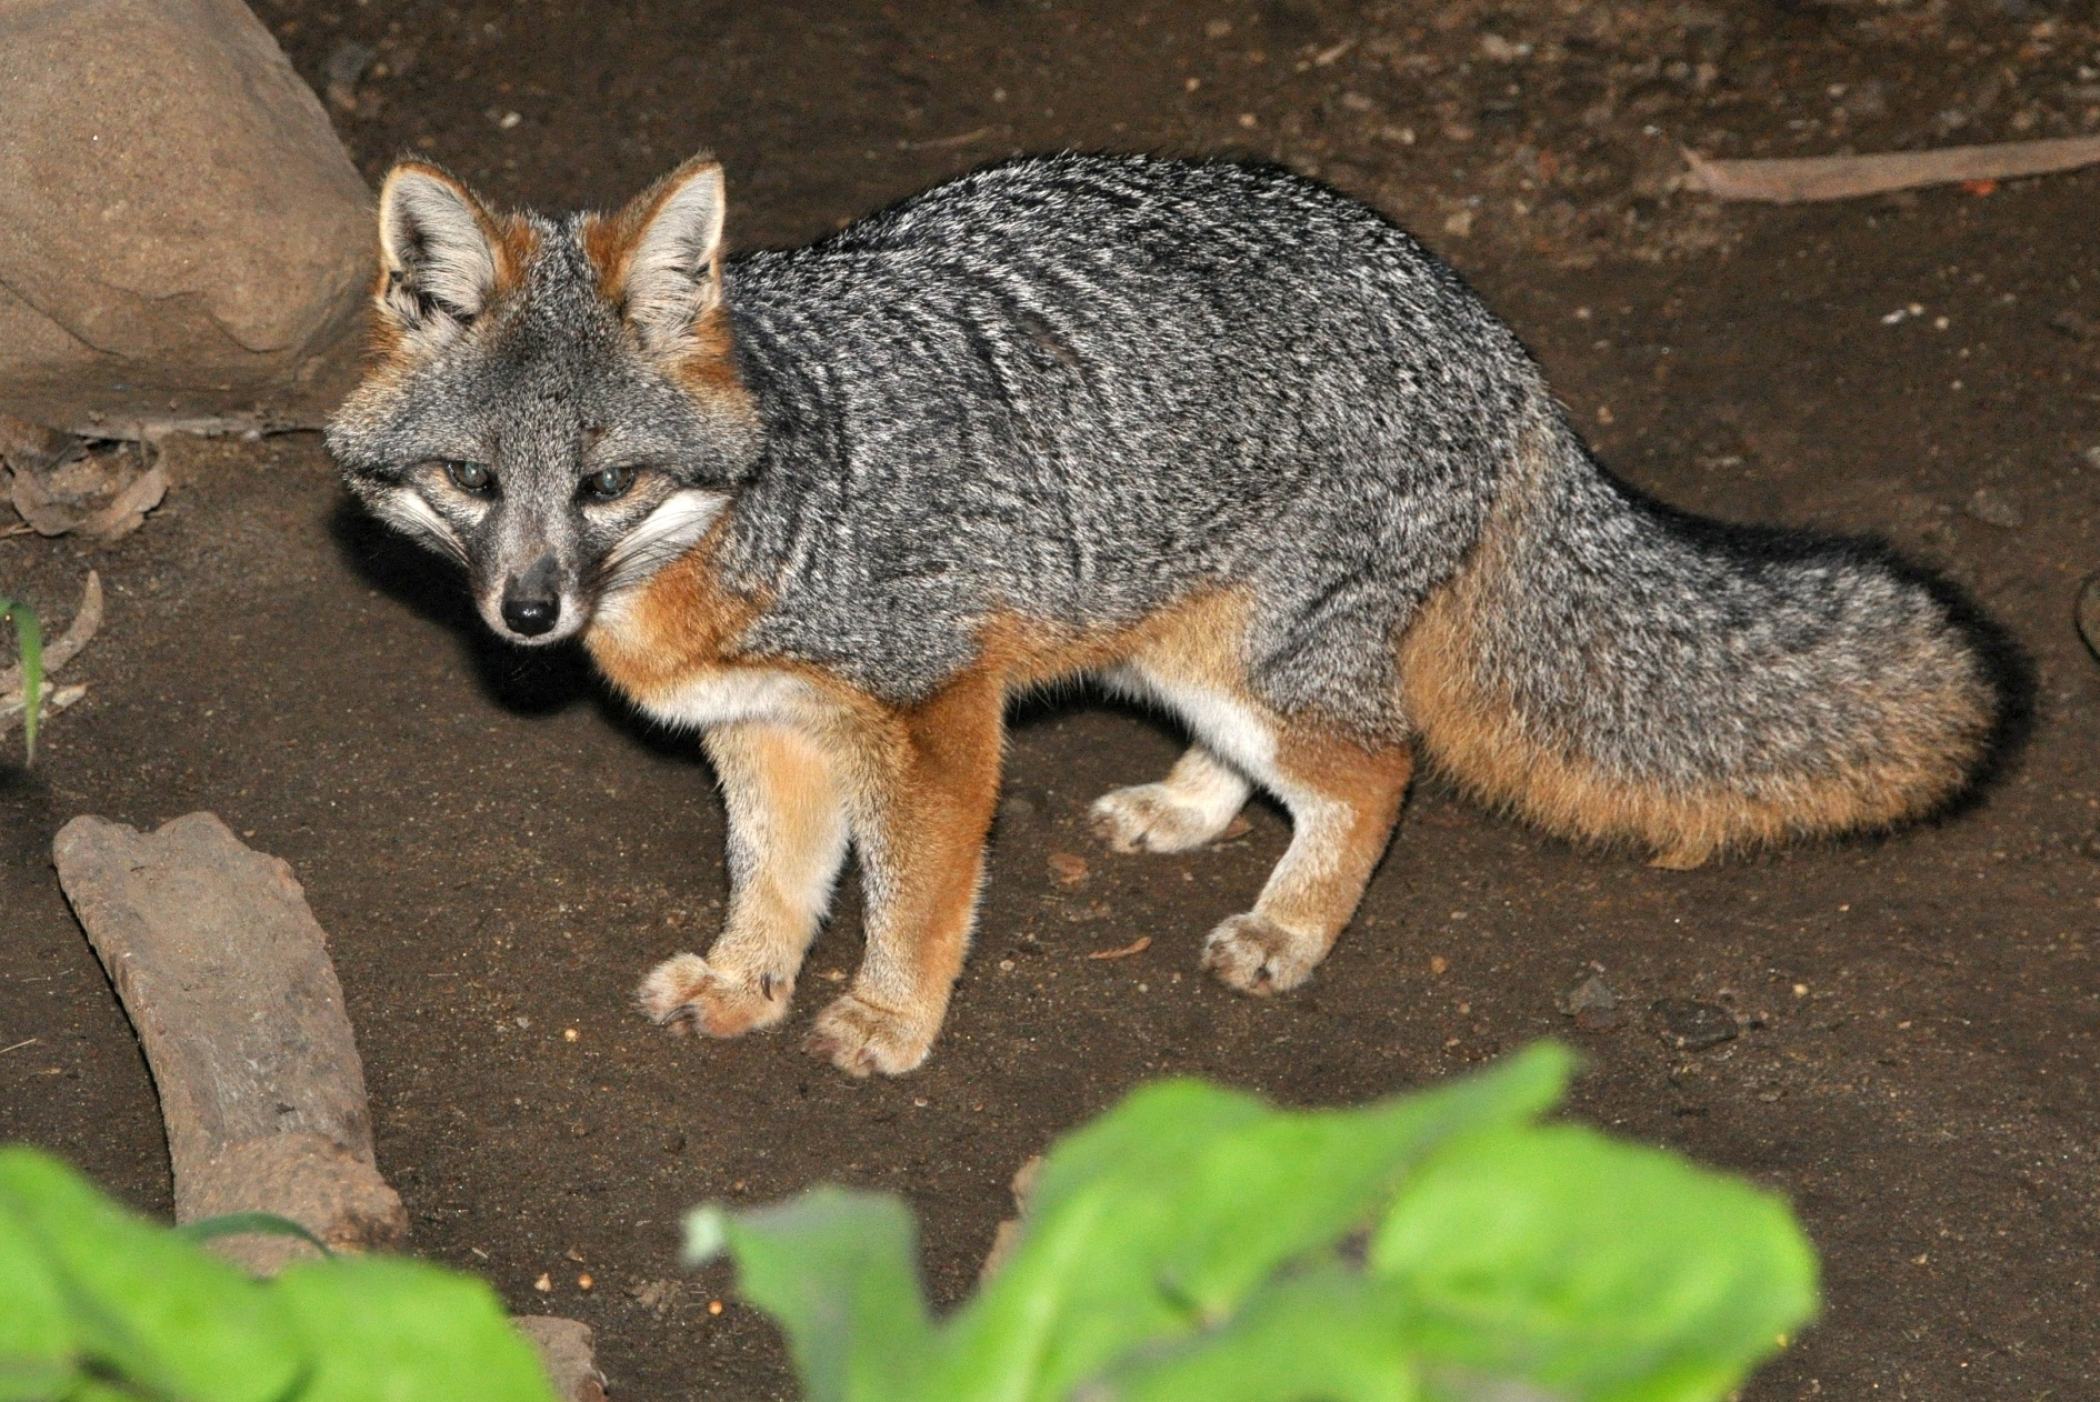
{"type": "Point", "coordinates": [674, 527]}
{"type": "Point", "coordinates": [404, 507]}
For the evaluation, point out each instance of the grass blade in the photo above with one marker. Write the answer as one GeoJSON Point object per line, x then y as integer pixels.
{"type": "Point", "coordinates": [30, 637]}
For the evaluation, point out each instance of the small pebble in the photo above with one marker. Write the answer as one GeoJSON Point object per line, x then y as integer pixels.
{"type": "Point", "coordinates": [1593, 1005]}
{"type": "Point", "coordinates": [1690, 1025]}
{"type": "Point", "coordinates": [1994, 508]}
{"type": "Point", "coordinates": [2076, 325]}
{"type": "Point", "coordinates": [543, 1284]}
{"type": "Point", "coordinates": [570, 1034]}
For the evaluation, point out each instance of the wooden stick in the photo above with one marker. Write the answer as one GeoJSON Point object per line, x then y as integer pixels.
{"type": "Point", "coordinates": [1800, 179]}
{"type": "Point", "coordinates": [226, 978]}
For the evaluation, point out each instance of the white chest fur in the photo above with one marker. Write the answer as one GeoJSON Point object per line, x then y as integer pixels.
{"type": "Point", "coordinates": [728, 695]}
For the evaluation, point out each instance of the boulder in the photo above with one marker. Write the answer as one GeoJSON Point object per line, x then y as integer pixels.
{"type": "Point", "coordinates": [182, 237]}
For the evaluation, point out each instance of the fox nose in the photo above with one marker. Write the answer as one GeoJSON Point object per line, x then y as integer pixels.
{"type": "Point", "coordinates": [531, 601]}
{"type": "Point", "coordinates": [531, 617]}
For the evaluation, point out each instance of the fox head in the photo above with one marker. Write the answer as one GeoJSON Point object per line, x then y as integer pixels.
{"type": "Point", "coordinates": [553, 403]}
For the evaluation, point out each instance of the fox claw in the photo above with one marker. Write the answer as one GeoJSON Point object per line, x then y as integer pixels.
{"type": "Point", "coordinates": [860, 1038]}
{"type": "Point", "coordinates": [1256, 955]}
{"type": "Point", "coordinates": [1156, 818]}
{"type": "Point", "coordinates": [687, 994]}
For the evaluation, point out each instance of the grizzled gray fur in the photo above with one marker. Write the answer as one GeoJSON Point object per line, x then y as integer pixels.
{"type": "Point", "coordinates": [1075, 387]}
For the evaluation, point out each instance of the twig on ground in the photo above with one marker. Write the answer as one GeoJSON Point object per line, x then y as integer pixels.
{"type": "Point", "coordinates": [2088, 615]}
{"type": "Point", "coordinates": [1793, 180]}
{"type": "Point", "coordinates": [940, 143]}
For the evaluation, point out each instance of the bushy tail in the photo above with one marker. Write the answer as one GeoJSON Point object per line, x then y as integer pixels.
{"type": "Point", "coordinates": [1618, 672]}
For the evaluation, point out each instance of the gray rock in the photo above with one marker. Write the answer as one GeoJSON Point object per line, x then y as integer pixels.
{"type": "Point", "coordinates": [226, 978]}
{"type": "Point", "coordinates": [181, 234]}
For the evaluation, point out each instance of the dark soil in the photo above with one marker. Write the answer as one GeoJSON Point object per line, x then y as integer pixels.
{"type": "Point", "coordinates": [498, 851]}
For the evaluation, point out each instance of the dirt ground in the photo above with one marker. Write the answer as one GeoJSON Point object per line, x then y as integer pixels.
{"type": "Point", "coordinates": [499, 851]}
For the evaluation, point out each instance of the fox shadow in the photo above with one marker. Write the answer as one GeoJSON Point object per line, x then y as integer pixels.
{"type": "Point", "coordinates": [523, 681]}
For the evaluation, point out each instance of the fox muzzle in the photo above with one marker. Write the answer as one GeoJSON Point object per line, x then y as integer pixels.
{"type": "Point", "coordinates": [532, 600]}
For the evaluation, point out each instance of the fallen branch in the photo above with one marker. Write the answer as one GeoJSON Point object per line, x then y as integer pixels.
{"type": "Point", "coordinates": [226, 979]}
{"type": "Point", "coordinates": [225, 976]}
{"type": "Point", "coordinates": [1791, 181]}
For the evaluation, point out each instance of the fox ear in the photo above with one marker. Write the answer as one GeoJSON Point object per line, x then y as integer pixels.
{"type": "Point", "coordinates": [434, 247]}
{"type": "Point", "coordinates": [674, 265]}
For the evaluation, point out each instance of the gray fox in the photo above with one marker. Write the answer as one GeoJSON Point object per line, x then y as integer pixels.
{"type": "Point", "coordinates": [1212, 434]}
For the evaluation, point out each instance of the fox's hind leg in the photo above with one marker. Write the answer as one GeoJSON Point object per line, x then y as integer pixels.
{"type": "Point", "coordinates": [923, 797]}
{"type": "Point", "coordinates": [1192, 805]}
{"type": "Point", "coordinates": [787, 840]}
{"type": "Point", "coordinates": [1343, 800]}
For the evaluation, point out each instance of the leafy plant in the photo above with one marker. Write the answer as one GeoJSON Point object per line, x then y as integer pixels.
{"type": "Point", "coordinates": [98, 1305]}
{"type": "Point", "coordinates": [1195, 1245]}
{"type": "Point", "coordinates": [29, 637]}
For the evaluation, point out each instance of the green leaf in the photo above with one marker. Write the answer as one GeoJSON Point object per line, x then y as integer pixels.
{"type": "Point", "coordinates": [385, 1329]}
{"type": "Point", "coordinates": [1597, 1270]}
{"type": "Point", "coordinates": [839, 1271]}
{"type": "Point", "coordinates": [24, 1380]}
{"type": "Point", "coordinates": [248, 1223]}
{"type": "Point", "coordinates": [142, 1304]}
{"type": "Point", "coordinates": [30, 636]}
{"type": "Point", "coordinates": [38, 1344]}
{"type": "Point", "coordinates": [1328, 1335]}
{"type": "Point", "coordinates": [1161, 1217]}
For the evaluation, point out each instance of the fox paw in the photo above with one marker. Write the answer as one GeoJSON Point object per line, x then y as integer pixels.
{"type": "Point", "coordinates": [861, 1038]}
{"type": "Point", "coordinates": [1158, 818]}
{"type": "Point", "coordinates": [1256, 955]}
{"type": "Point", "coordinates": [688, 994]}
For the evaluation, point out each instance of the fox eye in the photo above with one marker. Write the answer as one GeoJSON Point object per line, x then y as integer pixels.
{"type": "Point", "coordinates": [470, 477]}
{"type": "Point", "coordinates": [609, 485]}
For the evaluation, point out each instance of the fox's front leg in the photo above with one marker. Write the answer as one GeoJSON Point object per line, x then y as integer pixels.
{"type": "Point", "coordinates": [787, 840]}
{"type": "Point", "coordinates": [922, 802]}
